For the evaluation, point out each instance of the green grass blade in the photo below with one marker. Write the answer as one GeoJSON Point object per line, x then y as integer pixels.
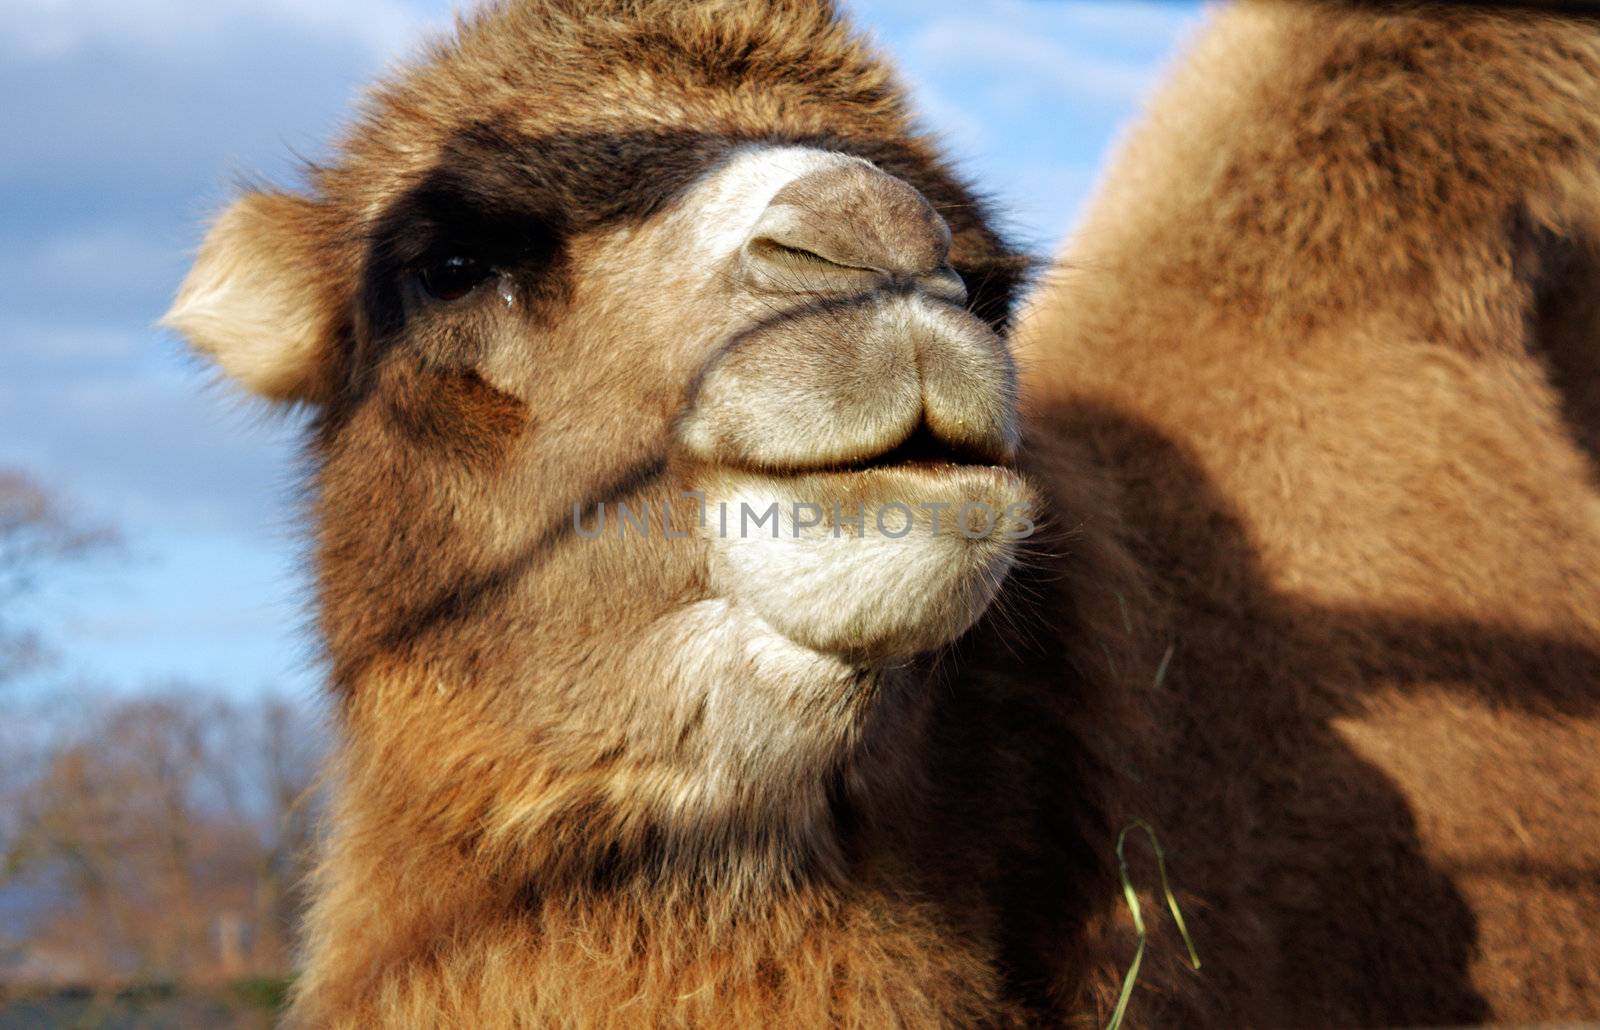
{"type": "Point", "coordinates": [1132, 898]}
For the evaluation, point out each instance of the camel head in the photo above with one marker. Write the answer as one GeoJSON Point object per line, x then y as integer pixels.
{"type": "Point", "coordinates": [663, 421]}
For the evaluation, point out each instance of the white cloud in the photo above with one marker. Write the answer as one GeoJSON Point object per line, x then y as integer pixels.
{"type": "Point", "coordinates": [147, 442]}
{"type": "Point", "coordinates": [1028, 94]}
{"type": "Point", "coordinates": [37, 343]}
{"type": "Point", "coordinates": [81, 279]}
{"type": "Point", "coordinates": [960, 127]}
{"type": "Point", "coordinates": [1128, 21]}
{"type": "Point", "coordinates": [1010, 56]}
{"type": "Point", "coordinates": [48, 30]}
{"type": "Point", "coordinates": [82, 255]}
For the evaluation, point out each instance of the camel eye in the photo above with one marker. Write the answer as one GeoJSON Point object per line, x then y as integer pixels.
{"type": "Point", "coordinates": [453, 276]}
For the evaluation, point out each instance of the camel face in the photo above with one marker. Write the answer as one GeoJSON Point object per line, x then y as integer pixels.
{"type": "Point", "coordinates": [786, 338]}
{"type": "Point", "coordinates": [781, 340]}
{"type": "Point", "coordinates": [654, 427]}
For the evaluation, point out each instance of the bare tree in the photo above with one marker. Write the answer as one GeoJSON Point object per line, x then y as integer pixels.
{"type": "Point", "coordinates": [159, 836]}
{"type": "Point", "coordinates": [37, 533]}
{"type": "Point", "coordinates": [171, 832]}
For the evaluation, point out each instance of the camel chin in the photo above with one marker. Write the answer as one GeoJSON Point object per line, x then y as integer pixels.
{"type": "Point", "coordinates": [876, 564]}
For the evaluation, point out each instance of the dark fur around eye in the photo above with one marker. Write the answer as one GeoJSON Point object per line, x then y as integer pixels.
{"type": "Point", "coordinates": [446, 238]}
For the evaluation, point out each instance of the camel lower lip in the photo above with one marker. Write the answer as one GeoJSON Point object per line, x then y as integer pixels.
{"type": "Point", "coordinates": [924, 469]}
{"type": "Point", "coordinates": [916, 485]}
{"type": "Point", "coordinates": [927, 464]}
{"type": "Point", "coordinates": [883, 561]}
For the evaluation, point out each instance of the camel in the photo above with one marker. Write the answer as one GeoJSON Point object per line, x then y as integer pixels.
{"type": "Point", "coordinates": [737, 617]}
{"type": "Point", "coordinates": [1333, 324]}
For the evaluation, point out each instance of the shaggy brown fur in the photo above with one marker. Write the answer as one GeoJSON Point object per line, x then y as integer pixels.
{"type": "Point", "coordinates": [1279, 399]}
{"type": "Point", "coordinates": [1333, 323]}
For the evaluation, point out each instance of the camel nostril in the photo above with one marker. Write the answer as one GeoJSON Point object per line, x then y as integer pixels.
{"type": "Point", "coordinates": [850, 228]}
{"type": "Point", "coordinates": [777, 266]}
{"type": "Point", "coordinates": [768, 248]}
{"type": "Point", "coordinates": [778, 263]}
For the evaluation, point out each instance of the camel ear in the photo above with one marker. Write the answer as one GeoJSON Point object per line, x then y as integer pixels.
{"type": "Point", "coordinates": [263, 300]}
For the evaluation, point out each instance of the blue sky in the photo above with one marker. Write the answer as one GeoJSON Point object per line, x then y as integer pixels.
{"type": "Point", "coordinates": [128, 122]}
